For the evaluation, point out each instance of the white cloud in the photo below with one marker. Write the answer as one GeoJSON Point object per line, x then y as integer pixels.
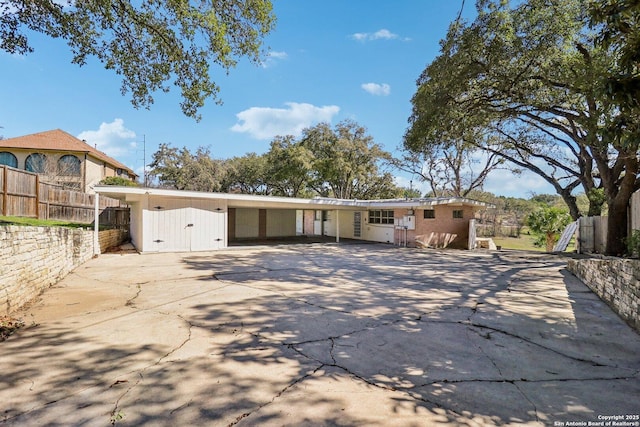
{"type": "Point", "coordinates": [113, 138]}
{"type": "Point", "coordinates": [266, 122]}
{"type": "Point", "coordinates": [376, 88]}
{"type": "Point", "coordinates": [278, 55]}
{"type": "Point", "coordinates": [360, 36]}
{"type": "Point", "coordinates": [382, 34]}
{"type": "Point", "coordinates": [503, 182]}
{"type": "Point", "coordinates": [272, 57]}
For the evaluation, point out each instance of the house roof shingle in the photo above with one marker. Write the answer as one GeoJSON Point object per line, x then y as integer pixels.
{"type": "Point", "coordinates": [59, 140]}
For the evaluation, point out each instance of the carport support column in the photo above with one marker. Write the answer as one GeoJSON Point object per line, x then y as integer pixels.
{"type": "Point", "coordinates": [337, 226]}
{"type": "Point", "coordinates": [96, 225]}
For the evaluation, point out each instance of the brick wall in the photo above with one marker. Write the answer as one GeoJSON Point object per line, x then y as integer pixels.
{"type": "Point", "coordinates": [616, 281]}
{"type": "Point", "coordinates": [444, 226]}
{"type": "Point", "coordinates": [34, 258]}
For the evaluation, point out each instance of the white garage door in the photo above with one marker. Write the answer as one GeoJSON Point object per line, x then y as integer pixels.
{"type": "Point", "coordinates": [183, 225]}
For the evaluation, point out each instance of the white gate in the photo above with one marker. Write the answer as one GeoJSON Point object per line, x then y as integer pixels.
{"type": "Point", "coordinates": [183, 225]}
{"type": "Point", "coordinates": [207, 224]}
{"type": "Point", "coordinates": [472, 234]}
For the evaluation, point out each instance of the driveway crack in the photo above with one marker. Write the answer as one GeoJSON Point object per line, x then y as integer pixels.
{"type": "Point", "coordinates": [280, 393]}
{"type": "Point", "coordinates": [117, 414]}
{"type": "Point", "coordinates": [510, 334]}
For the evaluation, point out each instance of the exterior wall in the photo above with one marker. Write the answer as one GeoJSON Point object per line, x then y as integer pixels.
{"type": "Point", "coordinates": [616, 281]}
{"type": "Point", "coordinates": [371, 232]}
{"type": "Point", "coordinates": [136, 224]}
{"type": "Point", "coordinates": [264, 223]}
{"type": "Point", "coordinates": [376, 232]}
{"type": "Point", "coordinates": [307, 222]}
{"type": "Point", "coordinates": [347, 226]}
{"type": "Point", "coordinates": [247, 223]}
{"type": "Point", "coordinates": [444, 223]}
{"type": "Point", "coordinates": [281, 222]}
{"type": "Point", "coordinates": [92, 169]}
{"type": "Point", "coordinates": [34, 258]}
{"type": "Point", "coordinates": [94, 172]}
{"type": "Point", "coordinates": [53, 157]}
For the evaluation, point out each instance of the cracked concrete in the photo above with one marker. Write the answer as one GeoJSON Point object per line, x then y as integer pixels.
{"type": "Point", "coordinates": [350, 334]}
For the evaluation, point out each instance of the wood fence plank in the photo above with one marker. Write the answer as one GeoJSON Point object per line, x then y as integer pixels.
{"type": "Point", "coordinates": [24, 195]}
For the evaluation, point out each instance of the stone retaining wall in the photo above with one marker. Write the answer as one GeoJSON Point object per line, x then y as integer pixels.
{"type": "Point", "coordinates": [616, 281]}
{"type": "Point", "coordinates": [34, 258]}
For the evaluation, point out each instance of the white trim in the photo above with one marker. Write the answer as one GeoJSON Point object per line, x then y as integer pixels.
{"type": "Point", "coordinates": [257, 201]}
{"type": "Point", "coordinates": [96, 225]}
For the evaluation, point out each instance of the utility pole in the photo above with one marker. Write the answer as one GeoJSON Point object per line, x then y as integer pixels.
{"type": "Point", "coordinates": [144, 159]}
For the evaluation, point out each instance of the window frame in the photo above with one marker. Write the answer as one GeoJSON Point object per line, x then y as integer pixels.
{"type": "Point", "coordinates": [9, 155]}
{"type": "Point", "coordinates": [458, 214]}
{"type": "Point", "coordinates": [381, 216]}
{"type": "Point", "coordinates": [29, 162]}
{"type": "Point", "coordinates": [69, 170]}
{"type": "Point", "coordinates": [432, 215]}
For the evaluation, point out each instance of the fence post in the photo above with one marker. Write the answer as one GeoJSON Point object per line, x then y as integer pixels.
{"type": "Point", "coordinates": [5, 189]}
{"type": "Point", "coordinates": [37, 196]}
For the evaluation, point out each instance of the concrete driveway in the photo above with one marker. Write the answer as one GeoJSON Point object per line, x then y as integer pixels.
{"type": "Point", "coordinates": [349, 335]}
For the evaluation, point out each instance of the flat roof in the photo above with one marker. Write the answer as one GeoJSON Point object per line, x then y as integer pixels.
{"type": "Point", "coordinates": [135, 194]}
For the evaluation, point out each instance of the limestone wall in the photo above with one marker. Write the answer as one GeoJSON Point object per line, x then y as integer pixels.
{"type": "Point", "coordinates": [616, 281]}
{"type": "Point", "coordinates": [34, 258]}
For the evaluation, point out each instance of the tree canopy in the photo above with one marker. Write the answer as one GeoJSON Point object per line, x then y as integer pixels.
{"type": "Point", "coordinates": [527, 83]}
{"type": "Point", "coordinates": [341, 162]}
{"type": "Point", "coordinates": [150, 43]}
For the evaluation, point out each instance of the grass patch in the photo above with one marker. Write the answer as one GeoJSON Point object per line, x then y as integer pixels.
{"type": "Point", "coordinates": [523, 243]}
{"type": "Point", "coordinates": [526, 243]}
{"type": "Point", "coordinates": [35, 222]}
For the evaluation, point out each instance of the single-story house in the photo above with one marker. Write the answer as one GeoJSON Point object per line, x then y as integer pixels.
{"type": "Point", "coordinates": [181, 221]}
{"type": "Point", "coordinates": [61, 158]}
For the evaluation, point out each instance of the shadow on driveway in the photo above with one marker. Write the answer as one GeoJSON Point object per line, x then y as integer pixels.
{"type": "Point", "coordinates": [350, 335]}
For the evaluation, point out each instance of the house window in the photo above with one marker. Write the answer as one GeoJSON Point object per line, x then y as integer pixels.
{"type": "Point", "coordinates": [458, 213]}
{"type": "Point", "coordinates": [36, 162]}
{"type": "Point", "coordinates": [69, 165]}
{"type": "Point", "coordinates": [429, 213]}
{"type": "Point", "coordinates": [381, 217]}
{"type": "Point", "coordinates": [8, 159]}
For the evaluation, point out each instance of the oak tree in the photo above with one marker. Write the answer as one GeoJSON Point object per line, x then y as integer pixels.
{"type": "Point", "coordinates": [149, 43]}
{"type": "Point", "coordinates": [529, 78]}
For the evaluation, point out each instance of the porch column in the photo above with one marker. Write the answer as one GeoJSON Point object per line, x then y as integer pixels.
{"type": "Point", "coordinates": [337, 226]}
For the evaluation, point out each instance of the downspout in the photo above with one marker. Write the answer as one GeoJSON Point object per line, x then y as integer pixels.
{"type": "Point", "coordinates": [337, 226]}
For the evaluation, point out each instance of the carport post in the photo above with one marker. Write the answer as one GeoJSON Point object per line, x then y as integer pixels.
{"type": "Point", "coordinates": [96, 225]}
{"type": "Point", "coordinates": [337, 226]}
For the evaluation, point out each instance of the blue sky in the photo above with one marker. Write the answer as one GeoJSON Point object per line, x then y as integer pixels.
{"type": "Point", "coordinates": [329, 61]}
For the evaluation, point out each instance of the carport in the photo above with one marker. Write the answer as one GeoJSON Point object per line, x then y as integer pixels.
{"type": "Point", "coordinates": [165, 220]}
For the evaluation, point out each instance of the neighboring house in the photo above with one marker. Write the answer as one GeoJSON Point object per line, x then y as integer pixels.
{"type": "Point", "coordinates": [182, 221]}
{"type": "Point", "coordinates": [62, 159]}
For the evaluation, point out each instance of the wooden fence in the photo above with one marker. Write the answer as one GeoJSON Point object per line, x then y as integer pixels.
{"type": "Point", "coordinates": [23, 194]}
{"type": "Point", "coordinates": [634, 212]}
{"type": "Point", "coordinates": [592, 231]}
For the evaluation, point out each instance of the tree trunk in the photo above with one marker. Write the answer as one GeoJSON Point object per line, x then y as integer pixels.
{"type": "Point", "coordinates": [551, 241]}
{"type": "Point", "coordinates": [617, 223]}
{"type": "Point", "coordinates": [571, 202]}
